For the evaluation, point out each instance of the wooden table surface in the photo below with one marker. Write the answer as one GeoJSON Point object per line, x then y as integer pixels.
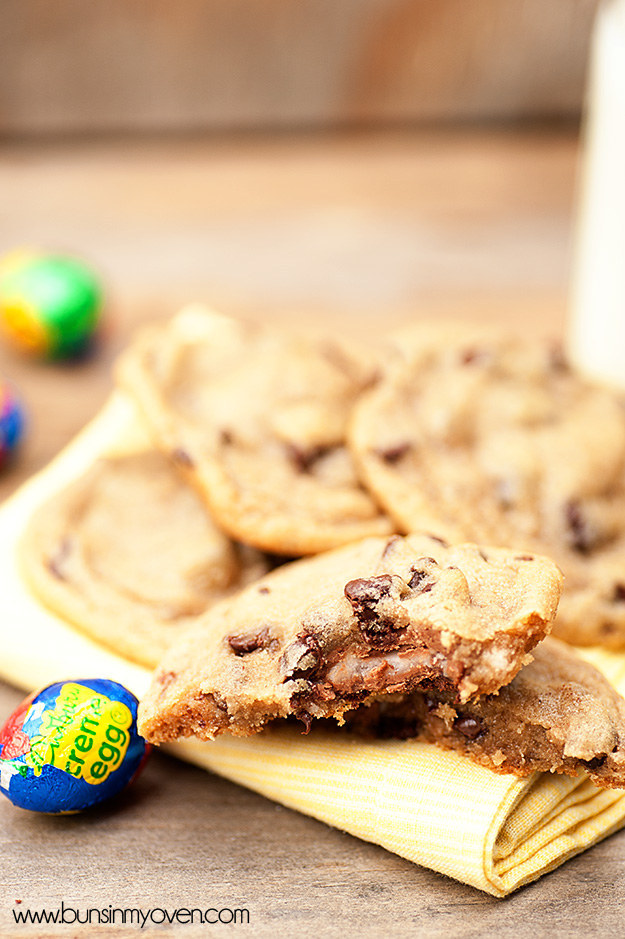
{"type": "Point", "coordinates": [356, 234]}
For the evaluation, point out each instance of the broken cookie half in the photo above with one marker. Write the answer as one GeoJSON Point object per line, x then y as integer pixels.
{"type": "Point", "coordinates": [320, 636]}
{"type": "Point", "coordinates": [558, 715]}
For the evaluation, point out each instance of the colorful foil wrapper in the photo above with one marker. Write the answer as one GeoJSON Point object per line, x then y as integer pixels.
{"type": "Point", "coordinates": [71, 745]}
{"type": "Point", "coordinates": [11, 422]}
{"type": "Point", "coordinates": [49, 304]}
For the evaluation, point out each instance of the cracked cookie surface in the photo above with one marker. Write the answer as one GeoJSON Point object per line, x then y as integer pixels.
{"type": "Point", "coordinates": [558, 715]}
{"type": "Point", "coordinates": [321, 635]}
{"type": "Point", "coordinates": [484, 437]}
{"type": "Point", "coordinates": [255, 419]}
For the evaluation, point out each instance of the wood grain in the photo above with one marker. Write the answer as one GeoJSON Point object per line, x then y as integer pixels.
{"type": "Point", "coordinates": [140, 65]}
{"type": "Point", "coordinates": [338, 230]}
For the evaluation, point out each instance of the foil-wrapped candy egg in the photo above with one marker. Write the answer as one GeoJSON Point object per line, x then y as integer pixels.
{"type": "Point", "coordinates": [49, 304]}
{"type": "Point", "coordinates": [11, 422]}
{"type": "Point", "coordinates": [71, 745]}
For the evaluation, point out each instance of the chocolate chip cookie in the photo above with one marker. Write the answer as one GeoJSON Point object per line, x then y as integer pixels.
{"type": "Point", "coordinates": [128, 554]}
{"type": "Point", "coordinates": [256, 419]}
{"type": "Point", "coordinates": [558, 715]}
{"type": "Point", "coordinates": [317, 637]}
{"type": "Point", "coordinates": [487, 437]}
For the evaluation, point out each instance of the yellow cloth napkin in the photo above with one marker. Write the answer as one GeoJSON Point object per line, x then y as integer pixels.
{"type": "Point", "coordinates": [495, 832]}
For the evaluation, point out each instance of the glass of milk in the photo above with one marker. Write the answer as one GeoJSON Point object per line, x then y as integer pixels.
{"type": "Point", "coordinates": [596, 338]}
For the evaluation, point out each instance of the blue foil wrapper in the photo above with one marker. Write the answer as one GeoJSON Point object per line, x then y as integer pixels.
{"type": "Point", "coordinates": [71, 745]}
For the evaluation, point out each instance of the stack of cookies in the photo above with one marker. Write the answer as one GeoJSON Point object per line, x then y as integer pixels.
{"type": "Point", "coordinates": [301, 532]}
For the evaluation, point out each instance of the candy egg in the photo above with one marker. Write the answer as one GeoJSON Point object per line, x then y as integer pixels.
{"type": "Point", "coordinates": [49, 304]}
{"type": "Point", "coordinates": [11, 422]}
{"type": "Point", "coordinates": [70, 745]}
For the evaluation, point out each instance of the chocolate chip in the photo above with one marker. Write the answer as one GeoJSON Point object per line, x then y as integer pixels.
{"type": "Point", "coordinates": [56, 562]}
{"type": "Point", "coordinates": [301, 658]}
{"type": "Point", "coordinates": [226, 437]}
{"type": "Point", "coordinates": [469, 727]}
{"type": "Point", "coordinates": [416, 581]}
{"type": "Point", "coordinates": [377, 607]}
{"type": "Point", "coordinates": [371, 590]}
{"type": "Point", "coordinates": [365, 594]}
{"type": "Point", "coordinates": [580, 533]}
{"type": "Point", "coordinates": [394, 453]}
{"type": "Point", "coordinates": [421, 578]}
{"type": "Point", "coordinates": [182, 458]}
{"type": "Point", "coordinates": [304, 460]}
{"type": "Point", "coordinates": [618, 596]}
{"type": "Point", "coordinates": [245, 643]}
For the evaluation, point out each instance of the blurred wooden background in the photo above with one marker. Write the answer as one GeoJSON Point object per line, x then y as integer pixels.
{"type": "Point", "coordinates": [71, 66]}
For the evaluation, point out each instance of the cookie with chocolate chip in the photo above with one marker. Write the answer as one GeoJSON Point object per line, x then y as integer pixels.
{"type": "Point", "coordinates": [256, 420]}
{"type": "Point", "coordinates": [558, 715]}
{"type": "Point", "coordinates": [318, 637]}
{"type": "Point", "coordinates": [128, 554]}
{"type": "Point", "coordinates": [486, 437]}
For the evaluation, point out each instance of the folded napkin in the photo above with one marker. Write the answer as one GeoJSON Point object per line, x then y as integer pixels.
{"type": "Point", "coordinates": [436, 808]}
